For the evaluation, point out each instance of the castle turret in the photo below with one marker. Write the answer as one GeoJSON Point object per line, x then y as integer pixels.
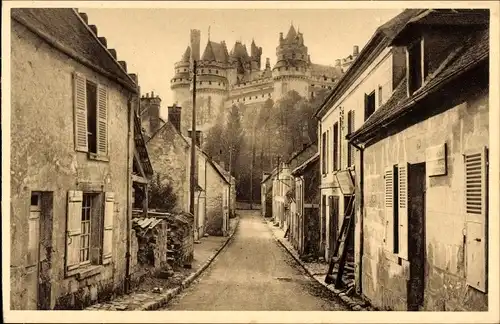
{"type": "Point", "coordinates": [291, 71]}
{"type": "Point", "coordinates": [150, 113]}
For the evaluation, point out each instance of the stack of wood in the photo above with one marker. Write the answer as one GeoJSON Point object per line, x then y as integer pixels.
{"type": "Point", "coordinates": [180, 239]}
{"type": "Point", "coordinates": [151, 236]}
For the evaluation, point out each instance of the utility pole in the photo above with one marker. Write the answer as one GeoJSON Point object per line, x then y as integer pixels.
{"type": "Point", "coordinates": [230, 177]}
{"type": "Point", "coordinates": [251, 169]}
{"type": "Point", "coordinates": [193, 149]}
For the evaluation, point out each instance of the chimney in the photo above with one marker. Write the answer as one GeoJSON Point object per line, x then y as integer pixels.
{"type": "Point", "coordinates": [198, 138]}
{"type": "Point", "coordinates": [337, 62]}
{"type": "Point", "coordinates": [223, 165]}
{"type": "Point", "coordinates": [268, 63]}
{"type": "Point", "coordinates": [174, 116]}
{"type": "Point", "coordinates": [355, 50]}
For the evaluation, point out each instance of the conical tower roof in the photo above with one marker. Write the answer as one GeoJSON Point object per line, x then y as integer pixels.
{"type": "Point", "coordinates": [291, 34]}
{"type": "Point", "coordinates": [187, 55]}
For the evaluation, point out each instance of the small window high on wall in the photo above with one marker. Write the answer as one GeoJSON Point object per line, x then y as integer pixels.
{"type": "Point", "coordinates": [416, 70]}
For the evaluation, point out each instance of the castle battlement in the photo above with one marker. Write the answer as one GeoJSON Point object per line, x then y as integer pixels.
{"type": "Point", "coordinates": [233, 78]}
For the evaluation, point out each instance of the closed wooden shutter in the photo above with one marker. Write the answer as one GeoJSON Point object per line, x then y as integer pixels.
{"type": "Point", "coordinates": [403, 210]}
{"type": "Point", "coordinates": [351, 129]}
{"type": "Point", "coordinates": [80, 111]}
{"type": "Point", "coordinates": [73, 229]}
{"type": "Point", "coordinates": [476, 196]}
{"type": "Point", "coordinates": [389, 208]}
{"type": "Point", "coordinates": [107, 248]}
{"type": "Point", "coordinates": [102, 120]}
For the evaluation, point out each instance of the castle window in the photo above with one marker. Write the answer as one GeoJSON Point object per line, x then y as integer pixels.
{"type": "Point", "coordinates": [201, 82]}
{"type": "Point", "coordinates": [184, 70]}
{"type": "Point", "coordinates": [209, 82]}
{"type": "Point", "coordinates": [296, 68]}
{"type": "Point", "coordinates": [312, 85]}
{"type": "Point", "coordinates": [262, 96]}
{"type": "Point", "coordinates": [286, 68]}
{"type": "Point", "coordinates": [238, 100]}
{"type": "Point", "coordinates": [269, 94]}
{"type": "Point", "coordinates": [219, 83]}
{"type": "Point", "coordinates": [255, 97]}
{"type": "Point", "coordinates": [333, 80]}
{"type": "Point", "coordinates": [329, 87]}
{"type": "Point", "coordinates": [325, 78]}
{"type": "Point", "coordinates": [202, 71]}
{"type": "Point", "coordinates": [209, 71]}
{"type": "Point", "coordinates": [216, 71]}
{"type": "Point", "coordinates": [243, 99]}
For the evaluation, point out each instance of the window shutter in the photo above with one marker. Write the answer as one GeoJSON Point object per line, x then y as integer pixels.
{"type": "Point", "coordinates": [389, 208]}
{"type": "Point", "coordinates": [403, 210]}
{"type": "Point", "coordinates": [107, 249]}
{"type": "Point", "coordinates": [476, 218]}
{"type": "Point", "coordinates": [366, 107]}
{"type": "Point", "coordinates": [351, 126]}
{"type": "Point", "coordinates": [73, 229]}
{"type": "Point", "coordinates": [102, 120]}
{"type": "Point", "coordinates": [80, 107]}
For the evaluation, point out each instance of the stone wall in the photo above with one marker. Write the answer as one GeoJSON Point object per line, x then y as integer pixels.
{"type": "Point", "coordinates": [215, 187]}
{"type": "Point", "coordinates": [384, 278]}
{"type": "Point", "coordinates": [169, 155]}
{"type": "Point", "coordinates": [44, 159]}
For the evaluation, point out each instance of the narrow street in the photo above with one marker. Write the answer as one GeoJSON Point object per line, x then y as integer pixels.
{"type": "Point", "coordinates": [254, 273]}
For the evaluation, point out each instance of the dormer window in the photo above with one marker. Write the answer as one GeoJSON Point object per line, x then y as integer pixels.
{"type": "Point", "coordinates": [416, 69]}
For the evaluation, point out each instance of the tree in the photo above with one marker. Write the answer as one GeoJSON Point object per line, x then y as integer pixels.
{"type": "Point", "coordinates": [161, 195]}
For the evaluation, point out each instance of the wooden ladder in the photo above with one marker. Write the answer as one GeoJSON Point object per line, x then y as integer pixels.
{"type": "Point", "coordinates": [338, 259]}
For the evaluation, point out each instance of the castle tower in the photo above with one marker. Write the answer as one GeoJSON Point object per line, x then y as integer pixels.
{"type": "Point", "coordinates": [212, 84]}
{"type": "Point", "coordinates": [181, 81]}
{"type": "Point", "coordinates": [291, 71]}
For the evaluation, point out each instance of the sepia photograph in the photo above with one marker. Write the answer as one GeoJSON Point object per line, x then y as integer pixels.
{"type": "Point", "coordinates": [295, 161]}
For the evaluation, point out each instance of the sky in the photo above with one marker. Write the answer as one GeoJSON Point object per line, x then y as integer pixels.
{"type": "Point", "coordinates": [152, 40]}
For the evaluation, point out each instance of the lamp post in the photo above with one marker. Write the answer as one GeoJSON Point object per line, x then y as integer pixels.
{"type": "Point", "coordinates": [193, 149]}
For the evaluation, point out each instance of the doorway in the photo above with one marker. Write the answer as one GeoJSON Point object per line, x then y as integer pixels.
{"type": "Point", "coordinates": [416, 235]}
{"type": "Point", "coordinates": [39, 251]}
{"type": "Point", "coordinates": [349, 211]}
{"type": "Point", "coordinates": [334, 227]}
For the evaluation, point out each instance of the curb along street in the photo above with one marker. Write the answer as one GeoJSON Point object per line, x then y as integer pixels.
{"type": "Point", "coordinates": [167, 296]}
{"type": "Point", "coordinates": [355, 305]}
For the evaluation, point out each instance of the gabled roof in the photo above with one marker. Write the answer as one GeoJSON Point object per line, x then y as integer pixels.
{"type": "Point", "coordinates": [214, 52]}
{"type": "Point", "coordinates": [379, 41]}
{"type": "Point", "coordinates": [474, 51]}
{"type": "Point", "coordinates": [239, 51]}
{"type": "Point", "coordinates": [301, 168]}
{"type": "Point", "coordinates": [65, 30]}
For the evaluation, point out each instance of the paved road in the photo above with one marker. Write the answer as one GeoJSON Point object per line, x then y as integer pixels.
{"type": "Point", "coordinates": [254, 273]}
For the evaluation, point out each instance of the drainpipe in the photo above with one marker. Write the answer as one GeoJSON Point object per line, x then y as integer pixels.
{"type": "Point", "coordinates": [129, 191]}
{"type": "Point", "coordinates": [361, 213]}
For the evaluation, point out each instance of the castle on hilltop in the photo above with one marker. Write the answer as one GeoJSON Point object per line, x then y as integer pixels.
{"type": "Point", "coordinates": [237, 78]}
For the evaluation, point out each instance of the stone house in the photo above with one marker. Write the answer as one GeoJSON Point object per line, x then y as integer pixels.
{"type": "Point", "coordinates": [170, 154]}
{"type": "Point", "coordinates": [423, 168]}
{"type": "Point", "coordinates": [305, 228]}
{"type": "Point", "coordinates": [281, 184]}
{"type": "Point", "coordinates": [71, 162]}
{"type": "Point", "coordinates": [367, 85]}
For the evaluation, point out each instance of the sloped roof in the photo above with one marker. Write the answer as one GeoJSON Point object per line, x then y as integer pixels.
{"type": "Point", "coordinates": [383, 35]}
{"type": "Point", "coordinates": [326, 70]}
{"type": "Point", "coordinates": [186, 57]}
{"type": "Point", "coordinates": [290, 36]}
{"type": "Point", "coordinates": [474, 51]}
{"type": "Point", "coordinates": [239, 51]}
{"type": "Point", "coordinates": [140, 147]}
{"type": "Point", "coordinates": [214, 52]}
{"type": "Point", "coordinates": [64, 29]}
{"type": "Point", "coordinates": [302, 167]}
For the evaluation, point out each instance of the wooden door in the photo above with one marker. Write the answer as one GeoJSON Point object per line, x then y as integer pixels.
{"type": "Point", "coordinates": [416, 235]}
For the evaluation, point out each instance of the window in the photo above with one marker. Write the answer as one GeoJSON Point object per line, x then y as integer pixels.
{"type": "Point", "coordinates": [90, 229]}
{"type": "Point", "coordinates": [323, 153]}
{"type": "Point", "coordinates": [335, 146]}
{"type": "Point", "coordinates": [216, 71]}
{"type": "Point", "coordinates": [416, 71]}
{"type": "Point", "coordinates": [379, 96]}
{"type": "Point", "coordinates": [476, 208]}
{"type": "Point", "coordinates": [202, 71]}
{"type": "Point", "coordinates": [350, 129]}
{"type": "Point", "coordinates": [91, 117]}
{"type": "Point", "coordinates": [369, 104]}
{"type": "Point", "coordinates": [209, 71]}
{"type": "Point", "coordinates": [209, 82]}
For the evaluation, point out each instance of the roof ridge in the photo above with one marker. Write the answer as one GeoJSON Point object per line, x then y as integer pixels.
{"type": "Point", "coordinates": [96, 38]}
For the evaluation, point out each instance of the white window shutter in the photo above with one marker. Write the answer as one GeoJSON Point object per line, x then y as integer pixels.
{"type": "Point", "coordinates": [80, 111]}
{"type": "Point", "coordinates": [476, 218]}
{"type": "Point", "coordinates": [389, 208]}
{"type": "Point", "coordinates": [102, 120]}
{"type": "Point", "coordinates": [73, 229]}
{"type": "Point", "coordinates": [403, 210]}
{"type": "Point", "coordinates": [107, 249]}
